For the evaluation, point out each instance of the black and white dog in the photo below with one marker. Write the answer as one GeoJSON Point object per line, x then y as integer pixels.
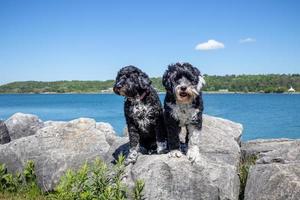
{"type": "Point", "coordinates": [183, 109]}
{"type": "Point", "coordinates": [143, 113]}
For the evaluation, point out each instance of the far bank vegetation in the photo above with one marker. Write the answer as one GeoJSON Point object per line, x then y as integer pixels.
{"type": "Point", "coordinates": [271, 83]}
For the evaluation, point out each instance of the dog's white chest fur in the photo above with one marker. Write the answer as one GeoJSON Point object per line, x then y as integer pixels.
{"type": "Point", "coordinates": [184, 113]}
{"type": "Point", "coordinates": [141, 112]}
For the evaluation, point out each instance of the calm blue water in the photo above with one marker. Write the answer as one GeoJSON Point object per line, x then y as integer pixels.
{"type": "Point", "coordinates": [263, 115]}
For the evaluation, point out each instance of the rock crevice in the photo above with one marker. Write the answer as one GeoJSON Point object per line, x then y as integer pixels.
{"type": "Point", "coordinates": [276, 173]}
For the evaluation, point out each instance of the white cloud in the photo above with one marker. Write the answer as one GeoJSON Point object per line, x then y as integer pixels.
{"type": "Point", "coordinates": [247, 40]}
{"type": "Point", "coordinates": [209, 45]}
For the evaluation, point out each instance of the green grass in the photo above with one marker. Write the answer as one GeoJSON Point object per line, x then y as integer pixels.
{"type": "Point", "coordinates": [94, 181]}
{"type": "Point", "coordinates": [22, 196]}
{"type": "Point", "coordinates": [244, 167]}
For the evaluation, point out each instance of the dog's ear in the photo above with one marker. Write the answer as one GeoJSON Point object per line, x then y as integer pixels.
{"type": "Point", "coordinates": [195, 71]}
{"type": "Point", "coordinates": [201, 83]}
{"type": "Point", "coordinates": [166, 81]}
{"type": "Point", "coordinates": [170, 75]}
{"type": "Point", "coordinates": [144, 81]}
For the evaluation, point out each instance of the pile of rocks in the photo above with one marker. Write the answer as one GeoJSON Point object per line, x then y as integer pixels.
{"type": "Point", "coordinates": [57, 146]}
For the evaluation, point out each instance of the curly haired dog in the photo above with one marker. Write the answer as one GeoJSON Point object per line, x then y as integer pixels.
{"type": "Point", "coordinates": [143, 112]}
{"type": "Point", "coordinates": [183, 109]}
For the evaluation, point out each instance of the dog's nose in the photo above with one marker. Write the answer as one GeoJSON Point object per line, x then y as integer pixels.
{"type": "Point", "coordinates": [183, 88]}
{"type": "Point", "coordinates": [118, 86]}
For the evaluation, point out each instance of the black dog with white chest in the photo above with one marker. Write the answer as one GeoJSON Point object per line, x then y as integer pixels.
{"type": "Point", "coordinates": [183, 109]}
{"type": "Point", "coordinates": [143, 113]}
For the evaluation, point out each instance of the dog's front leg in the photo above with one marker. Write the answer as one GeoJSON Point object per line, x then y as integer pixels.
{"type": "Point", "coordinates": [132, 156]}
{"type": "Point", "coordinates": [173, 130]}
{"type": "Point", "coordinates": [161, 135]}
{"type": "Point", "coordinates": [193, 152]}
{"type": "Point", "coordinates": [134, 139]}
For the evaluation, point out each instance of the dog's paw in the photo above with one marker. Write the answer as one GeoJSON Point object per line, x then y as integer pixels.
{"type": "Point", "coordinates": [161, 147]}
{"type": "Point", "coordinates": [193, 154]}
{"type": "Point", "coordinates": [175, 154]}
{"type": "Point", "coordinates": [132, 157]}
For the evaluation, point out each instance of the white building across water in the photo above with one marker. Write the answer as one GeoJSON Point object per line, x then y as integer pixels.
{"type": "Point", "coordinates": [291, 89]}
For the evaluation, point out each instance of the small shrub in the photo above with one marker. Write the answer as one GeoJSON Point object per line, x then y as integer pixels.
{"type": "Point", "coordinates": [29, 173]}
{"type": "Point", "coordinates": [8, 181]}
{"type": "Point", "coordinates": [138, 190]}
{"type": "Point", "coordinates": [96, 181]}
{"type": "Point", "coordinates": [91, 182]}
{"type": "Point", "coordinates": [20, 185]}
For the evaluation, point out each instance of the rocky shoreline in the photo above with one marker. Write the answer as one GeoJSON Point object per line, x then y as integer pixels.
{"type": "Point", "coordinates": [57, 146]}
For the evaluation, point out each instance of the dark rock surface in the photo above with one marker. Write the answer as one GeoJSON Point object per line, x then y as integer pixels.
{"type": "Point", "coordinates": [4, 135]}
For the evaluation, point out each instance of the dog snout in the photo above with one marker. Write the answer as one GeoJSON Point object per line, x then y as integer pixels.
{"type": "Point", "coordinates": [118, 85]}
{"type": "Point", "coordinates": [183, 88]}
{"type": "Point", "coordinates": [116, 90]}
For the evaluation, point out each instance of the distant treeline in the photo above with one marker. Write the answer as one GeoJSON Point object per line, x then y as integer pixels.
{"type": "Point", "coordinates": [271, 83]}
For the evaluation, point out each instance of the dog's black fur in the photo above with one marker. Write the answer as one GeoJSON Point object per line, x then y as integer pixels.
{"type": "Point", "coordinates": [173, 120]}
{"type": "Point", "coordinates": [142, 108]}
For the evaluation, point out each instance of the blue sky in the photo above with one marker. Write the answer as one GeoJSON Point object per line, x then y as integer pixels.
{"type": "Point", "coordinates": [90, 40]}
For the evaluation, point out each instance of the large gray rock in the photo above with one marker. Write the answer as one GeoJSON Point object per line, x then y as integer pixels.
{"type": "Point", "coordinates": [276, 174]}
{"type": "Point", "coordinates": [261, 146]}
{"type": "Point", "coordinates": [56, 148]}
{"type": "Point", "coordinates": [4, 135]}
{"type": "Point", "coordinates": [22, 125]}
{"type": "Point", "coordinates": [62, 145]}
{"type": "Point", "coordinates": [108, 130]}
{"type": "Point", "coordinates": [214, 177]}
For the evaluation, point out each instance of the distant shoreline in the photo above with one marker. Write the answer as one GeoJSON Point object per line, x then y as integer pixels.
{"type": "Point", "coordinates": [228, 84]}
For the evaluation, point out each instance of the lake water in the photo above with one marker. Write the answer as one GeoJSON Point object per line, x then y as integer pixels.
{"type": "Point", "coordinates": [262, 115]}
